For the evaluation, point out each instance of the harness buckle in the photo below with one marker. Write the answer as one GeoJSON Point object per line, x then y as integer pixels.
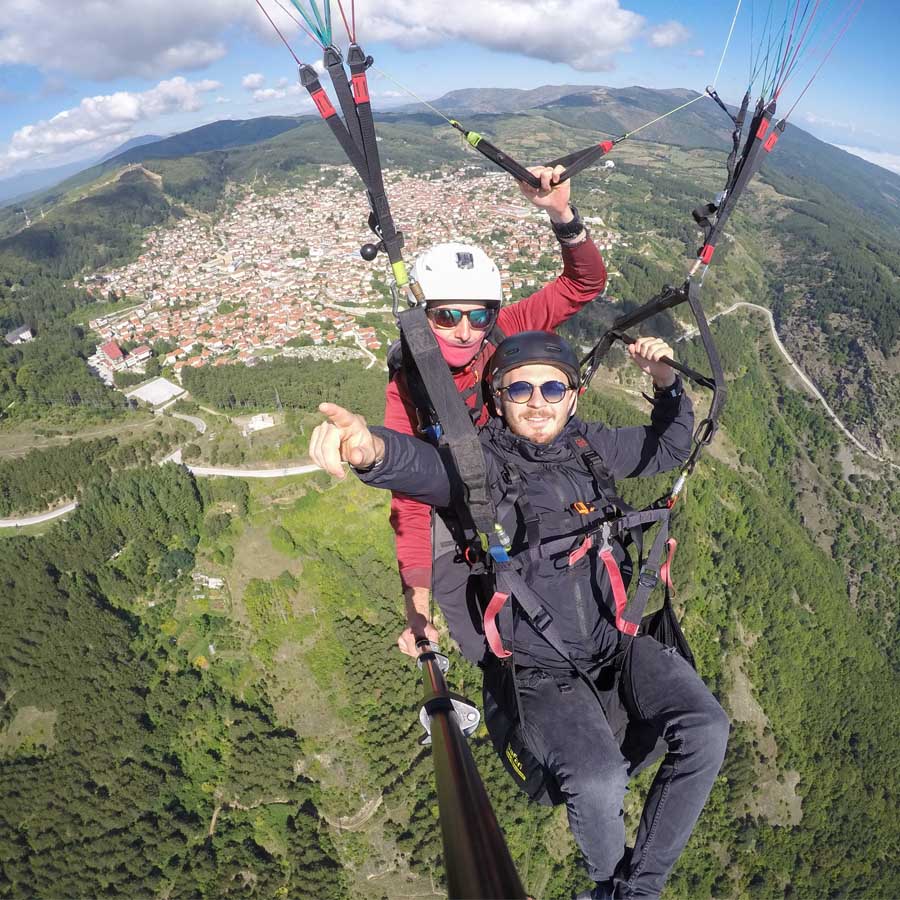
{"type": "Point", "coordinates": [648, 578]}
{"type": "Point", "coordinates": [542, 619]}
{"type": "Point", "coordinates": [605, 535]}
{"type": "Point", "coordinates": [583, 508]}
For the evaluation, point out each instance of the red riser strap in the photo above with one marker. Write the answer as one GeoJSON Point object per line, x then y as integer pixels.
{"type": "Point", "coordinates": [490, 625]}
{"type": "Point", "coordinates": [360, 89]}
{"type": "Point", "coordinates": [618, 589]}
{"type": "Point", "coordinates": [323, 104]}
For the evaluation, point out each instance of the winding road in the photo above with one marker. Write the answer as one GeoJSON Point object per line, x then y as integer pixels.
{"type": "Point", "coordinates": [807, 382]}
{"type": "Point", "coordinates": [174, 457]}
{"type": "Point", "coordinates": [39, 517]}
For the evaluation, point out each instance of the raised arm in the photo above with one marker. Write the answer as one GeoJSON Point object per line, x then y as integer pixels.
{"type": "Point", "coordinates": [583, 276]}
{"type": "Point", "coordinates": [665, 443]}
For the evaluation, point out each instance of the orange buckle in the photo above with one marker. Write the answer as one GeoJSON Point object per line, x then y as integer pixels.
{"type": "Point", "coordinates": [584, 508]}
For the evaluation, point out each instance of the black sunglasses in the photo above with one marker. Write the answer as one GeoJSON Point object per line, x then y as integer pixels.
{"type": "Point", "coordinates": [480, 319]}
{"type": "Point", "coordinates": [522, 391]}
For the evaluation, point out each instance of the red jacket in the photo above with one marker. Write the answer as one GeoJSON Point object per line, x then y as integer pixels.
{"type": "Point", "coordinates": [583, 278]}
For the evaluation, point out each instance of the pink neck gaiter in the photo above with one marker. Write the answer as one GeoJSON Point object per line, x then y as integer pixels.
{"type": "Point", "coordinates": [458, 355]}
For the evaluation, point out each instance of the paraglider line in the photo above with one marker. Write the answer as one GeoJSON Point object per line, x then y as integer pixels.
{"type": "Point", "coordinates": [798, 48]}
{"type": "Point", "coordinates": [298, 23]}
{"type": "Point", "coordinates": [843, 31]}
{"type": "Point", "coordinates": [278, 32]}
{"type": "Point", "coordinates": [727, 42]}
{"type": "Point", "coordinates": [351, 32]}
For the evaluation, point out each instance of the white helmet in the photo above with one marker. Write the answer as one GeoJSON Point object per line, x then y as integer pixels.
{"type": "Point", "coordinates": [449, 272]}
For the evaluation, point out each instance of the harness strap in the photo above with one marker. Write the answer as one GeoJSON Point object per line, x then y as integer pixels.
{"type": "Point", "coordinates": [459, 435]}
{"type": "Point", "coordinates": [618, 589]}
{"type": "Point", "coordinates": [629, 621]}
{"type": "Point", "coordinates": [490, 625]}
{"type": "Point", "coordinates": [665, 570]}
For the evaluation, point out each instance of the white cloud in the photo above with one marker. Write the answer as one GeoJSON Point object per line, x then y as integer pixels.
{"type": "Point", "coordinates": [107, 39]}
{"type": "Point", "coordinates": [253, 82]}
{"type": "Point", "coordinates": [699, 53]}
{"type": "Point", "coordinates": [890, 161]}
{"type": "Point", "coordinates": [266, 94]}
{"type": "Point", "coordinates": [102, 120]}
{"type": "Point", "coordinates": [542, 29]}
{"type": "Point", "coordinates": [668, 34]}
{"type": "Point", "coordinates": [813, 119]}
{"type": "Point", "coordinates": [112, 38]}
{"type": "Point", "coordinates": [223, 100]}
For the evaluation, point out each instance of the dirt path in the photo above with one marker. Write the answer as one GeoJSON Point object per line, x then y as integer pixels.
{"type": "Point", "coordinates": [63, 439]}
{"type": "Point", "coordinates": [359, 818]}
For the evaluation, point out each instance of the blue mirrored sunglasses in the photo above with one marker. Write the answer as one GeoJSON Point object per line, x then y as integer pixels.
{"type": "Point", "coordinates": [479, 319]}
{"type": "Point", "coordinates": [522, 391]}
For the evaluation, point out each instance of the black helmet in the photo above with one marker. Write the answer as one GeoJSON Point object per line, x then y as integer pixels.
{"type": "Point", "coordinates": [530, 347]}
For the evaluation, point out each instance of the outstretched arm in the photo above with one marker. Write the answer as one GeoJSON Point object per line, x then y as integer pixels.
{"type": "Point", "coordinates": [381, 457]}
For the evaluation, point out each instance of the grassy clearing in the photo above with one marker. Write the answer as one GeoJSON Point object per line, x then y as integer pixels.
{"type": "Point", "coordinates": [19, 439]}
{"type": "Point", "coordinates": [32, 730]}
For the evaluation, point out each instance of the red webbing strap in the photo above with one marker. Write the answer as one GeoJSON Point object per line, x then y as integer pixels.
{"type": "Point", "coordinates": [665, 570]}
{"type": "Point", "coordinates": [581, 551]}
{"type": "Point", "coordinates": [490, 625]}
{"type": "Point", "coordinates": [323, 104]}
{"type": "Point", "coordinates": [360, 88]}
{"type": "Point", "coordinates": [618, 589]}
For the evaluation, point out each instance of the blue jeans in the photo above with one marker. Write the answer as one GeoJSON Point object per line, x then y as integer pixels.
{"type": "Point", "coordinates": [565, 727]}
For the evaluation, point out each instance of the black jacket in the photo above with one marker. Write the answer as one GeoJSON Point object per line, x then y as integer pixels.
{"type": "Point", "coordinates": [552, 477]}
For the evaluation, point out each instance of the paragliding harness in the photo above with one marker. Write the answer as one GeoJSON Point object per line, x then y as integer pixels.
{"type": "Point", "coordinates": [400, 359]}
{"type": "Point", "coordinates": [607, 523]}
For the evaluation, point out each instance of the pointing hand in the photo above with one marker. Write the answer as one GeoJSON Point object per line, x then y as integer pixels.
{"type": "Point", "coordinates": [345, 437]}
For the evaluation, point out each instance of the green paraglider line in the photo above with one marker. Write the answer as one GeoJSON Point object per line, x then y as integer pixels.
{"type": "Point", "coordinates": [309, 21]}
{"type": "Point", "coordinates": [295, 20]}
{"type": "Point", "coordinates": [327, 5]}
{"type": "Point", "coordinates": [323, 30]}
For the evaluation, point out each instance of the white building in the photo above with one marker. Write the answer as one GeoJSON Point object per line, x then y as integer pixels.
{"type": "Point", "coordinates": [259, 423]}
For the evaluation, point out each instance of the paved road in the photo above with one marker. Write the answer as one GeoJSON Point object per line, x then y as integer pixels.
{"type": "Point", "coordinates": [37, 519]}
{"type": "Point", "coordinates": [807, 381]}
{"type": "Point", "coordinates": [196, 421]}
{"type": "Point", "coordinates": [220, 471]}
{"type": "Point", "coordinates": [175, 457]}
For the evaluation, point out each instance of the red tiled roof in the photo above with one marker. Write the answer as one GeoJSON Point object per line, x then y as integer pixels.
{"type": "Point", "coordinates": [113, 351]}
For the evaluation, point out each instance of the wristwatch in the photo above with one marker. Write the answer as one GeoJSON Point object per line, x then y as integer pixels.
{"type": "Point", "coordinates": [565, 231]}
{"type": "Point", "coordinates": [672, 392]}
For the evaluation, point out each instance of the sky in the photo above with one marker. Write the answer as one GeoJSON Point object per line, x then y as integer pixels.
{"type": "Point", "coordinates": [78, 80]}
